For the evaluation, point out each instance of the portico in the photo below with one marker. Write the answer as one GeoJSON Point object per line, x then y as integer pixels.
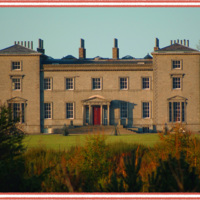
{"type": "Point", "coordinates": [96, 111]}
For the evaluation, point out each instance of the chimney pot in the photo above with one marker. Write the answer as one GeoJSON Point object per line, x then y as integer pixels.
{"type": "Point", "coordinates": [174, 41]}
{"type": "Point", "coordinates": [171, 42]}
{"type": "Point", "coordinates": [31, 44]}
{"type": "Point", "coordinates": [82, 43]}
{"type": "Point", "coordinates": [82, 50]}
{"type": "Point", "coordinates": [115, 50]}
{"type": "Point", "coordinates": [15, 42]}
{"type": "Point", "coordinates": [25, 43]}
{"type": "Point", "coordinates": [21, 43]}
{"type": "Point", "coordinates": [181, 41]}
{"type": "Point", "coordinates": [188, 43]}
{"type": "Point", "coordinates": [115, 43]}
{"type": "Point", "coordinates": [177, 41]}
{"type": "Point", "coordinates": [184, 42]}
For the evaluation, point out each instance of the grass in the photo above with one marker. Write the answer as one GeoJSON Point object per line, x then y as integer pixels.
{"type": "Point", "coordinates": [60, 142]}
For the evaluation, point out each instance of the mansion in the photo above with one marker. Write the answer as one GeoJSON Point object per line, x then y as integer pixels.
{"type": "Point", "coordinates": [145, 94]}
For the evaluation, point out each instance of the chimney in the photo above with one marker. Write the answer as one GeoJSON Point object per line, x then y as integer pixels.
{"type": "Point", "coordinates": [181, 41]}
{"type": "Point", "coordinates": [115, 50]}
{"type": "Point", "coordinates": [171, 42]}
{"type": "Point", "coordinates": [177, 41]}
{"type": "Point", "coordinates": [188, 43]}
{"type": "Point", "coordinates": [40, 46]}
{"type": "Point", "coordinates": [25, 43]}
{"type": "Point", "coordinates": [15, 42]}
{"type": "Point", "coordinates": [82, 50]}
{"type": "Point", "coordinates": [21, 43]}
{"type": "Point", "coordinates": [184, 42]}
{"type": "Point", "coordinates": [28, 44]}
{"type": "Point", "coordinates": [31, 44]}
{"type": "Point", "coordinates": [156, 44]}
{"type": "Point", "coordinates": [174, 41]}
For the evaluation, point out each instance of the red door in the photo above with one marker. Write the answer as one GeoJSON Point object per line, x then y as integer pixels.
{"type": "Point", "coordinates": [96, 115]}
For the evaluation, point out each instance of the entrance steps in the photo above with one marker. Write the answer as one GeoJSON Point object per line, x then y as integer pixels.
{"type": "Point", "coordinates": [107, 130]}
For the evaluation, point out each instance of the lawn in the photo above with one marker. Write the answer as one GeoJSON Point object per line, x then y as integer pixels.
{"type": "Point", "coordinates": [56, 141]}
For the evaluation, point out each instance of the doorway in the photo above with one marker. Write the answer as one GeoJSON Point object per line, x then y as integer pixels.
{"type": "Point", "coordinates": [96, 115]}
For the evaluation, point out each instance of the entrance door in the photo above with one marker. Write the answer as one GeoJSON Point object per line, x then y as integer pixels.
{"type": "Point", "coordinates": [96, 115]}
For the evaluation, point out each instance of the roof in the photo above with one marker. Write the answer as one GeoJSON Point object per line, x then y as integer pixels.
{"type": "Point", "coordinates": [177, 47]}
{"type": "Point", "coordinates": [18, 49]}
{"type": "Point", "coordinates": [68, 57]}
{"type": "Point", "coordinates": [148, 57]}
{"type": "Point", "coordinates": [128, 57]}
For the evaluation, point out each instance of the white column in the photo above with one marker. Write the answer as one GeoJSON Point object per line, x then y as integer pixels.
{"type": "Point", "coordinates": [83, 111]}
{"type": "Point", "coordinates": [108, 114]}
{"type": "Point", "coordinates": [101, 114]}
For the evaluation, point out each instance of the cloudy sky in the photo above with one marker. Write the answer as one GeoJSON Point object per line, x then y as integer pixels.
{"type": "Point", "coordinates": [135, 29]}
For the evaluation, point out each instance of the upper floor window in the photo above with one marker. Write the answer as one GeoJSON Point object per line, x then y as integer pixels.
{"type": "Point", "coordinates": [47, 84]}
{"type": "Point", "coordinates": [96, 83]}
{"type": "Point", "coordinates": [176, 64]}
{"type": "Point", "coordinates": [176, 82]}
{"type": "Point", "coordinates": [16, 84]}
{"type": "Point", "coordinates": [69, 110]}
{"type": "Point", "coordinates": [69, 83]}
{"type": "Point", "coordinates": [47, 110]}
{"type": "Point", "coordinates": [145, 110]}
{"type": "Point", "coordinates": [124, 110]}
{"type": "Point", "coordinates": [16, 65]}
{"type": "Point", "coordinates": [124, 83]}
{"type": "Point", "coordinates": [146, 83]}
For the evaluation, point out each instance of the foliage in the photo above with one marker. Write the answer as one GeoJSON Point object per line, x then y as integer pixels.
{"type": "Point", "coordinates": [174, 175]}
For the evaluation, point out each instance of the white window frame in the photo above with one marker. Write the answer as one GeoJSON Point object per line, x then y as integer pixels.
{"type": "Point", "coordinates": [180, 76]}
{"type": "Point", "coordinates": [144, 81]}
{"type": "Point", "coordinates": [144, 116]}
{"type": "Point", "coordinates": [100, 83]}
{"type": "Point", "coordinates": [175, 64]}
{"type": "Point", "coordinates": [16, 63]}
{"type": "Point", "coordinates": [49, 84]}
{"type": "Point", "coordinates": [122, 82]}
{"type": "Point", "coordinates": [50, 114]}
{"type": "Point", "coordinates": [72, 110]}
{"type": "Point", "coordinates": [14, 84]}
{"type": "Point", "coordinates": [123, 110]}
{"type": "Point", "coordinates": [176, 83]}
{"type": "Point", "coordinates": [72, 79]}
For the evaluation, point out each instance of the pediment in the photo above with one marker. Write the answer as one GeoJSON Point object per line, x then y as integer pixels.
{"type": "Point", "coordinates": [95, 99]}
{"type": "Point", "coordinates": [177, 98]}
{"type": "Point", "coordinates": [16, 100]}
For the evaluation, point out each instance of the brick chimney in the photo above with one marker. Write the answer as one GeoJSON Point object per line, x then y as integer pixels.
{"type": "Point", "coordinates": [40, 46]}
{"type": "Point", "coordinates": [156, 44]}
{"type": "Point", "coordinates": [115, 49]}
{"type": "Point", "coordinates": [82, 50]}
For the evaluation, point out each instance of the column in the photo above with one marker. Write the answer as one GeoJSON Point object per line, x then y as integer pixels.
{"type": "Point", "coordinates": [90, 115]}
{"type": "Point", "coordinates": [101, 115]}
{"type": "Point", "coordinates": [83, 111]}
{"type": "Point", "coordinates": [108, 114]}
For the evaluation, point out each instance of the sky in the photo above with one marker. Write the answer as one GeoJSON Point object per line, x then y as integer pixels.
{"type": "Point", "coordinates": [135, 29]}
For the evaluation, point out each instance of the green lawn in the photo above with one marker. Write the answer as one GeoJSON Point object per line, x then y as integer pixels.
{"type": "Point", "coordinates": [65, 142]}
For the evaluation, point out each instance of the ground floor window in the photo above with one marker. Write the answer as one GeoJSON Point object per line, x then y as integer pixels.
{"type": "Point", "coordinates": [177, 111]}
{"type": "Point", "coordinates": [124, 110]}
{"type": "Point", "coordinates": [69, 110]}
{"type": "Point", "coordinates": [18, 111]}
{"type": "Point", "coordinates": [47, 110]}
{"type": "Point", "coordinates": [145, 110]}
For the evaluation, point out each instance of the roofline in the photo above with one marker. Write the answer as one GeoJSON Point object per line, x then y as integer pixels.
{"type": "Point", "coordinates": [176, 52]}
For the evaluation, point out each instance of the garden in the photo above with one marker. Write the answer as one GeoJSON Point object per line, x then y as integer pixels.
{"type": "Point", "coordinates": [163, 162]}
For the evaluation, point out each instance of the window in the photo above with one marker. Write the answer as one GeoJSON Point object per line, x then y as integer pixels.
{"type": "Point", "coordinates": [47, 84]}
{"type": "Point", "coordinates": [69, 110]}
{"type": "Point", "coordinates": [124, 110]}
{"type": "Point", "coordinates": [16, 84]}
{"type": "Point", "coordinates": [16, 65]}
{"type": "Point", "coordinates": [96, 83]}
{"type": "Point", "coordinates": [176, 64]}
{"type": "Point", "coordinates": [145, 110]}
{"type": "Point", "coordinates": [69, 83]}
{"type": "Point", "coordinates": [145, 83]}
{"type": "Point", "coordinates": [176, 111]}
{"type": "Point", "coordinates": [47, 111]}
{"type": "Point", "coordinates": [176, 82]}
{"type": "Point", "coordinates": [18, 111]}
{"type": "Point", "coordinates": [123, 83]}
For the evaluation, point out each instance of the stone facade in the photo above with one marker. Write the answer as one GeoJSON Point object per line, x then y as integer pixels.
{"type": "Point", "coordinates": [147, 94]}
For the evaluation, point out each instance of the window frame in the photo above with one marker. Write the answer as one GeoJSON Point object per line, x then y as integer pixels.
{"type": "Point", "coordinates": [14, 84]}
{"type": "Point", "coordinates": [127, 83]}
{"type": "Point", "coordinates": [51, 111]}
{"type": "Point", "coordinates": [73, 110]}
{"type": "Point", "coordinates": [182, 112]}
{"type": "Point", "coordinates": [73, 83]}
{"type": "Point", "coordinates": [180, 76]}
{"type": "Point", "coordinates": [145, 77]}
{"type": "Point", "coordinates": [176, 68]}
{"type": "Point", "coordinates": [149, 110]}
{"type": "Point", "coordinates": [101, 84]}
{"type": "Point", "coordinates": [125, 111]}
{"type": "Point", "coordinates": [20, 65]}
{"type": "Point", "coordinates": [51, 83]}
